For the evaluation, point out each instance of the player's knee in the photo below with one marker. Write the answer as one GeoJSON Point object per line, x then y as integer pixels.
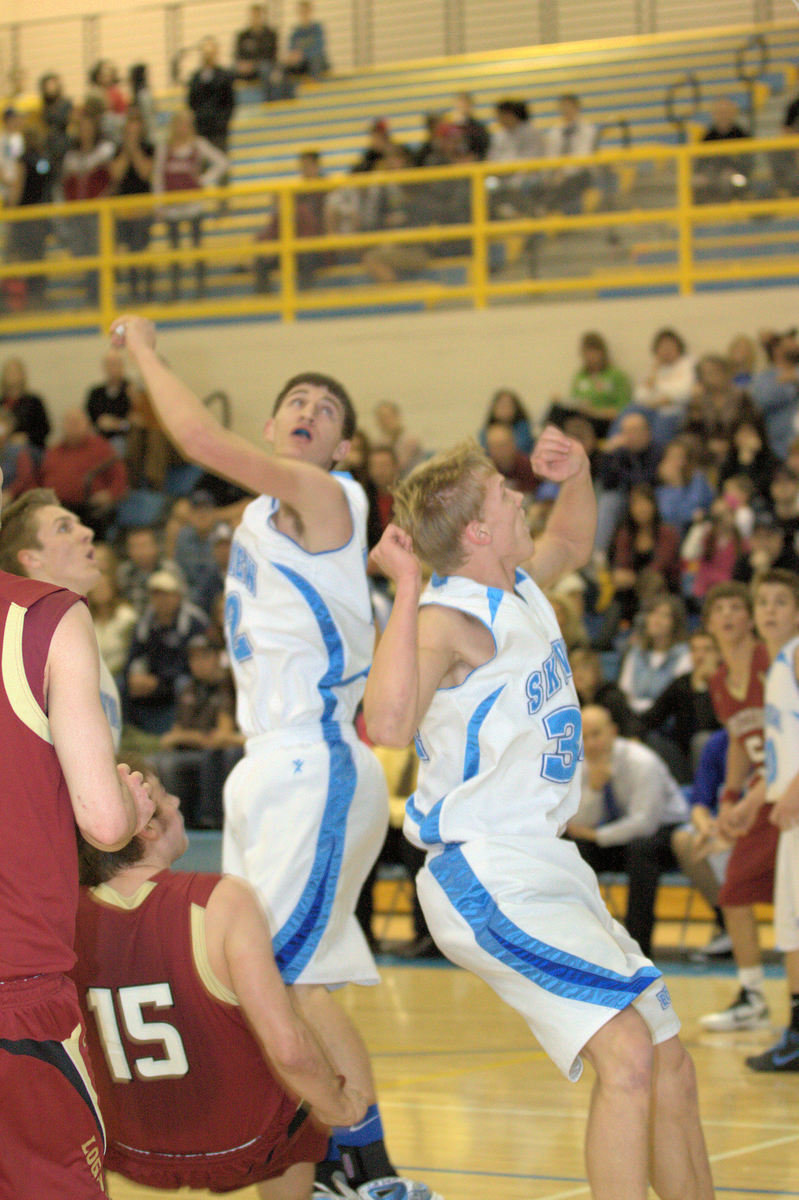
{"type": "Point", "coordinates": [622, 1054]}
{"type": "Point", "coordinates": [674, 1068]}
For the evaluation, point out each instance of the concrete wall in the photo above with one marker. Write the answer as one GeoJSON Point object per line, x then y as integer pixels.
{"type": "Point", "coordinates": [440, 367]}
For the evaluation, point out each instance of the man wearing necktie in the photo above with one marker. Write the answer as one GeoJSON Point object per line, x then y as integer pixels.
{"type": "Point", "coordinates": [571, 136]}
{"type": "Point", "coordinates": [628, 808]}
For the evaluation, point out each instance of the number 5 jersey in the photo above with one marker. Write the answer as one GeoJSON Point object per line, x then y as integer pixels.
{"type": "Point", "coordinates": [500, 752]}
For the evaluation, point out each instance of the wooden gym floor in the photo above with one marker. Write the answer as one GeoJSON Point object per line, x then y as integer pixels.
{"type": "Point", "coordinates": [473, 1107]}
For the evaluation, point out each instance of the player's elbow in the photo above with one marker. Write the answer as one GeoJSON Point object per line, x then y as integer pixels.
{"type": "Point", "coordinates": [388, 729]}
{"type": "Point", "coordinates": [293, 1054]}
{"type": "Point", "coordinates": [106, 829]}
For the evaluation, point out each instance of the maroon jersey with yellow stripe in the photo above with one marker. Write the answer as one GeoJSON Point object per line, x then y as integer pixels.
{"type": "Point", "coordinates": [742, 715]}
{"type": "Point", "coordinates": [187, 1097]}
{"type": "Point", "coordinates": [39, 861]}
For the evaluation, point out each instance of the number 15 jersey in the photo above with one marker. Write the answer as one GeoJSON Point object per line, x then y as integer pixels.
{"type": "Point", "coordinates": [500, 752]}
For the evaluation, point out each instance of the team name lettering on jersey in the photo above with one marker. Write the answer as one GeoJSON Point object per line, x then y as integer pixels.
{"type": "Point", "coordinates": [242, 566]}
{"type": "Point", "coordinates": [544, 684]}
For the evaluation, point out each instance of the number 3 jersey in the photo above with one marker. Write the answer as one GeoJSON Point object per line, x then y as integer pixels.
{"type": "Point", "coordinates": [500, 752]}
{"type": "Point", "coordinates": [299, 625]}
{"type": "Point", "coordinates": [185, 1092]}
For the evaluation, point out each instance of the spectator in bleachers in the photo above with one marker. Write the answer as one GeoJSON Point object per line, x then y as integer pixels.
{"type": "Point", "coordinates": [699, 848]}
{"type": "Point", "coordinates": [185, 161]}
{"type": "Point", "coordinates": [476, 136]}
{"type": "Point", "coordinates": [751, 455]}
{"type": "Point", "coordinates": [194, 550]}
{"type": "Point", "coordinates": [85, 472]}
{"type": "Point", "coordinates": [572, 135]}
{"type": "Point", "coordinates": [399, 206]}
{"type": "Point", "coordinates": [657, 655]}
{"type": "Point", "coordinates": [644, 561]}
{"type": "Point", "coordinates": [378, 145]}
{"type": "Point", "coordinates": [85, 175]}
{"type": "Point", "coordinates": [114, 619]}
{"type": "Point", "coordinates": [709, 552]}
{"type": "Point", "coordinates": [132, 175]}
{"type": "Point", "coordinates": [307, 49]}
{"type": "Point", "coordinates": [768, 547]}
{"type": "Point", "coordinates": [27, 409]}
{"type": "Point", "coordinates": [29, 184]}
{"type": "Point", "coordinates": [158, 660]}
{"type": "Point", "coordinates": [664, 393]}
{"type": "Point", "coordinates": [141, 97]}
{"type": "Point", "coordinates": [506, 408]}
{"type": "Point", "coordinates": [784, 493]}
{"type": "Point", "coordinates": [599, 391]}
{"type": "Point", "coordinates": [511, 463]}
{"type": "Point", "coordinates": [17, 467]}
{"type": "Point", "coordinates": [630, 804]}
{"type": "Point", "coordinates": [203, 745]}
{"type": "Point", "coordinates": [630, 456]}
{"type": "Point", "coordinates": [390, 425]}
{"type": "Point", "coordinates": [108, 402]}
{"type": "Point", "coordinates": [56, 115]}
{"type": "Point", "coordinates": [105, 87]}
{"type": "Point", "coordinates": [255, 48]}
{"type": "Point", "coordinates": [594, 688]}
{"type": "Point", "coordinates": [515, 139]}
{"type": "Point", "coordinates": [143, 556]}
{"type": "Point", "coordinates": [785, 163]}
{"type": "Point", "coordinates": [310, 220]}
{"type": "Point", "coordinates": [738, 493]}
{"type": "Point", "coordinates": [682, 715]}
{"type": "Point", "coordinates": [726, 176]}
{"type": "Point", "coordinates": [211, 96]}
{"type": "Point", "coordinates": [683, 493]}
{"type": "Point", "coordinates": [775, 390]}
{"type": "Point", "coordinates": [742, 357]}
{"type": "Point", "coordinates": [430, 153]}
{"type": "Point", "coordinates": [12, 144]}
{"type": "Point", "coordinates": [717, 401]}
{"type": "Point", "coordinates": [383, 472]}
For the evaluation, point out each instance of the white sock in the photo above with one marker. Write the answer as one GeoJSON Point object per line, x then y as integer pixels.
{"type": "Point", "coordinates": [751, 978]}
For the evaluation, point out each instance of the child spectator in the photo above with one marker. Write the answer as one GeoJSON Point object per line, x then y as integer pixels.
{"type": "Point", "coordinates": [506, 408]}
{"type": "Point", "coordinates": [681, 717]}
{"type": "Point", "coordinates": [660, 655]}
{"type": "Point", "coordinates": [683, 492]}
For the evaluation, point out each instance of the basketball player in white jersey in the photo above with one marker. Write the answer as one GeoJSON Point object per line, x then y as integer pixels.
{"type": "Point", "coordinates": [776, 612]}
{"type": "Point", "coordinates": [306, 809]}
{"type": "Point", "coordinates": [480, 673]}
{"type": "Point", "coordinates": [42, 540]}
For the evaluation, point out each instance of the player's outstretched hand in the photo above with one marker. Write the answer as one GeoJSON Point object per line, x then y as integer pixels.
{"type": "Point", "coordinates": [557, 457]}
{"type": "Point", "coordinates": [139, 791]}
{"type": "Point", "coordinates": [393, 555]}
{"type": "Point", "coordinates": [132, 332]}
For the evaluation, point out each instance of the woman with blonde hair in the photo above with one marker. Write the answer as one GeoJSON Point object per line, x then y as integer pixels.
{"type": "Point", "coordinates": [186, 162]}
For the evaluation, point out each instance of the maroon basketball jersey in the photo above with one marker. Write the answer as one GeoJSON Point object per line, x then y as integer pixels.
{"type": "Point", "coordinates": [39, 862]}
{"type": "Point", "coordinates": [185, 1092]}
{"type": "Point", "coordinates": [743, 715]}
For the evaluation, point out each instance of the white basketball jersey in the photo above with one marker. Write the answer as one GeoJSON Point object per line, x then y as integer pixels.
{"type": "Point", "coordinates": [781, 722]}
{"type": "Point", "coordinates": [299, 625]}
{"type": "Point", "coordinates": [500, 753]}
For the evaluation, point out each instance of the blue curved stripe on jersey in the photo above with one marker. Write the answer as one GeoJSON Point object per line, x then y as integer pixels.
{"type": "Point", "coordinates": [554, 970]}
{"type": "Point", "coordinates": [437, 580]}
{"type": "Point", "coordinates": [495, 598]}
{"type": "Point", "coordinates": [471, 759]}
{"type": "Point", "coordinates": [295, 943]}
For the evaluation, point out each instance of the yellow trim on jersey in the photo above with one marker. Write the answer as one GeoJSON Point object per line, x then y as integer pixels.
{"type": "Point", "coordinates": [15, 681]}
{"type": "Point", "coordinates": [72, 1048]}
{"type": "Point", "coordinates": [201, 962]}
{"type": "Point", "coordinates": [109, 895]}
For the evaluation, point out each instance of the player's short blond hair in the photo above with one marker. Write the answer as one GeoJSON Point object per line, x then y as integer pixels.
{"type": "Point", "coordinates": [436, 502]}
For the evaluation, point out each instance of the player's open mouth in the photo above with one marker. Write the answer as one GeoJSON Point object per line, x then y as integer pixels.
{"type": "Point", "coordinates": [301, 433]}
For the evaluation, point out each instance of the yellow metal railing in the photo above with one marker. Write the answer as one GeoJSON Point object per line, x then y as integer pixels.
{"type": "Point", "coordinates": [234, 213]}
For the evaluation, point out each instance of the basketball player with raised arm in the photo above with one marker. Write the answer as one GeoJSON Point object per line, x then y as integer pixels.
{"type": "Point", "coordinates": [57, 770]}
{"type": "Point", "coordinates": [476, 668]}
{"type": "Point", "coordinates": [306, 809]}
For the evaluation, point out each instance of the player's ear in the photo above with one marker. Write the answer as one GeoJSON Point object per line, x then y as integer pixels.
{"type": "Point", "coordinates": [342, 450]}
{"type": "Point", "coordinates": [269, 430]}
{"type": "Point", "coordinates": [27, 559]}
{"type": "Point", "coordinates": [475, 534]}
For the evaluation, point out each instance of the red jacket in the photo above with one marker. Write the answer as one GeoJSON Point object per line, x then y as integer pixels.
{"type": "Point", "coordinates": [65, 470]}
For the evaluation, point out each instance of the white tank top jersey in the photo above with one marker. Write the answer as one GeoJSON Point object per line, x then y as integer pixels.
{"type": "Point", "coordinates": [299, 625]}
{"type": "Point", "coordinates": [781, 722]}
{"type": "Point", "coordinates": [500, 753]}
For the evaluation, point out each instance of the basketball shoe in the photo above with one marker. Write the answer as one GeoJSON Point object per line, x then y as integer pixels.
{"type": "Point", "coordinates": [747, 1011]}
{"type": "Point", "coordinates": [392, 1187]}
{"type": "Point", "coordinates": [782, 1057]}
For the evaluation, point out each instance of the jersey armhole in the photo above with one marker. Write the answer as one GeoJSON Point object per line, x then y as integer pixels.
{"type": "Point", "coordinates": [199, 949]}
{"type": "Point", "coordinates": [473, 616]}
